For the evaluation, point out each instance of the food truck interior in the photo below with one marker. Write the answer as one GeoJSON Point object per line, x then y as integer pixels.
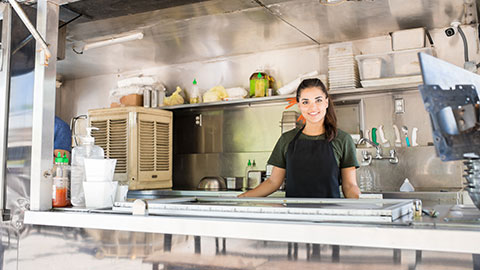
{"type": "Point", "coordinates": [190, 97]}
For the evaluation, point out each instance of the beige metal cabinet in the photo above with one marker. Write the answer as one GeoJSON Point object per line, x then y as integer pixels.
{"type": "Point", "coordinates": [141, 141]}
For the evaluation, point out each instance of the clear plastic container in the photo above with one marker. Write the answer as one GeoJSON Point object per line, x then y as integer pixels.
{"type": "Point", "coordinates": [390, 64]}
{"type": "Point", "coordinates": [87, 150]}
{"type": "Point", "coordinates": [365, 179]}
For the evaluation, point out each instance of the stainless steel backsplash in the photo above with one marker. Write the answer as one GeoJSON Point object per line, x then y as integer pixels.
{"type": "Point", "coordinates": [229, 136]}
{"type": "Point", "coordinates": [422, 167]}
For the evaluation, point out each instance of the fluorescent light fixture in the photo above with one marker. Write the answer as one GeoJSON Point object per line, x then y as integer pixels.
{"type": "Point", "coordinates": [112, 41]}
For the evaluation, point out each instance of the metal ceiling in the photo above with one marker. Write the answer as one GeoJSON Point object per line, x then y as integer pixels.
{"type": "Point", "coordinates": [93, 10]}
{"type": "Point", "coordinates": [192, 30]}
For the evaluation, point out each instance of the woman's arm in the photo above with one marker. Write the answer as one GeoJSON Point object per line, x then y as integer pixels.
{"type": "Point", "coordinates": [268, 186]}
{"type": "Point", "coordinates": [349, 183]}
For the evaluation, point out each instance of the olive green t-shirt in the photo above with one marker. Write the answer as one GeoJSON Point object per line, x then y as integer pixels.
{"type": "Point", "coordinates": [343, 148]}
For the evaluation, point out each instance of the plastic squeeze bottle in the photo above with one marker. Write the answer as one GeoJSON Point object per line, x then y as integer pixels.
{"type": "Point", "coordinates": [195, 96]}
{"type": "Point", "coordinates": [60, 184]}
{"type": "Point", "coordinates": [87, 149]}
{"type": "Point", "coordinates": [67, 173]}
{"type": "Point", "coordinates": [245, 179]}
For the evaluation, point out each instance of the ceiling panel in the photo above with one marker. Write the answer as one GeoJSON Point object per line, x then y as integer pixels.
{"type": "Point", "coordinates": [209, 29]}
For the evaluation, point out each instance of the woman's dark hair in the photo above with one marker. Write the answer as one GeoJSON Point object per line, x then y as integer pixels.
{"type": "Point", "coordinates": [330, 122]}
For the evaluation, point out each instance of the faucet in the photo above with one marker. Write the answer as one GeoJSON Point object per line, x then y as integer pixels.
{"type": "Point", "coordinates": [376, 145]}
{"type": "Point", "coordinates": [393, 158]}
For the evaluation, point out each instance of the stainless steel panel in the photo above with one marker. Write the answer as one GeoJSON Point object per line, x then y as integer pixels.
{"type": "Point", "coordinates": [451, 238]}
{"type": "Point", "coordinates": [76, 248]}
{"type": "Point", "coordinates": [360, 19]}
{"type": "Point", "coordinates": [428, 198]}
{"type": "Point", "coordinates": [252, 129]}
{"type": "Point", "coordinates": [173, 37]}
{"type": "Point", "coordinates": [425, 171]}
{"type": "Point", "coordinates": [189, 169]}
{"type": "Point", "coordinates": [20, 119]}
{"type": "Point", "coordinates": [294, 209]}
{"type": "Point", "coordinates": [223, 28]}
{"type": "Point", "coordinates": [44, 108]}
{"type": "Point", "coordinates": [6, 24]}
{"type": "Point", "coordinates": [349, 116]}
{"type": "Point", "coordinates": [238, 128]}
{"type": "Point", "coordinates": [192, 138]}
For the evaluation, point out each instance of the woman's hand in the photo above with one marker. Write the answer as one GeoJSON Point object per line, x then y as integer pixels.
{"type": "Point", "coordinates": [268, 186]}
{"type": "Point", "coordinates": [349, 183]}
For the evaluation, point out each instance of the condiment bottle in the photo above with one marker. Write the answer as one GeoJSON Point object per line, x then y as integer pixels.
{"type": "Point", "coordinates": [247, 169]}
{"type": "Point", "coordinates": [195, 96]}
{"type": "Point", "coordinates": [258, 84]}
{"type": "Point", "coordinates": [60, 185]}
{"type": "Point", "coordinates": [67, 175]}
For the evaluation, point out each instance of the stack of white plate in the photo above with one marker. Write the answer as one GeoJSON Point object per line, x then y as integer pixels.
{"type": "Point", "coordinates": [342, 67]}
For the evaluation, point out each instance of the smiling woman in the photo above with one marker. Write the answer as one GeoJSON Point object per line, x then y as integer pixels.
{"type": "Point", "coordinates": [316, 159]}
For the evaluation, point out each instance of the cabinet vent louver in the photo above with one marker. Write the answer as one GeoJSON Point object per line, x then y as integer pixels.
{"type": "Point", "coordinates": [141, 141]}
{"type": "Point", "coordinates": [112, 137]}
{"type": "Point", "coordinates": [163, 146]}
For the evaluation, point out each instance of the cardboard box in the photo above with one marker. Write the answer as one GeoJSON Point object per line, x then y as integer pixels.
{"type": "Point", "coordinates": [115, 105]}
{"type": "Point", "coordinates": [132, 100]}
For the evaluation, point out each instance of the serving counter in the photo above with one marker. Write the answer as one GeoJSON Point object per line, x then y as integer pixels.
{"type": "Point", "coordinates": [456, 229]}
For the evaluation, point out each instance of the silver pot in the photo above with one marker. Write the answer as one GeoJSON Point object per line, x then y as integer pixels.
{"type": "Point", "coordinates": [212, 183]}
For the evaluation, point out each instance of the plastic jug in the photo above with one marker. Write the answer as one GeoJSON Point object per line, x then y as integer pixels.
{"type": "Point", "coordinates": [365, 179]}
{"type": "Point", "coordinates": [88, 149]}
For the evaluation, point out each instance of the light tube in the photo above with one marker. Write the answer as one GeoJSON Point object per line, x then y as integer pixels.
{"type": "Point", "coordinates": [111, 41]}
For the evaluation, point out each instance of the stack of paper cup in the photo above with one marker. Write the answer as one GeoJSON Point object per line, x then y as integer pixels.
{"type": "Point", "coordinates": [100, 190]}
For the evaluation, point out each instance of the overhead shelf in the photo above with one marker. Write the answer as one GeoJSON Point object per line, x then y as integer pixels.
{"type": "Point", "coordinates": [282, 98]}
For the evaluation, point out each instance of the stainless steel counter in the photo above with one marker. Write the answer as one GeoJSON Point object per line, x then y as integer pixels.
{"type": "Point", "coordinates": [456, 229]}
{"type": "Point", "coordinates": [423, 234]}
{"type": "Point", "coordinates": [429, 198]}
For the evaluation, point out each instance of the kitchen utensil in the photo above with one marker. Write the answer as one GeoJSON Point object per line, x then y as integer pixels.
{"type": "Point", "coordinates": [367, 136]}
{"type": "Point", "coordinates": [385, 142]}
{"type": "Point", "coordinates": [212, 183]}
{"type": "Point", "coordinates": [374, 135]}
{"type": "Point", "coordinates": [405, 133]}
{"type": "Point", "coordinates": [414, 136]}
{"type": "Point", "coordinates": [398, 141]}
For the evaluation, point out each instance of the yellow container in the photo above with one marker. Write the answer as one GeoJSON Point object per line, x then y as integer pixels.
{"type": "Point", "coordinates": [259, 84]}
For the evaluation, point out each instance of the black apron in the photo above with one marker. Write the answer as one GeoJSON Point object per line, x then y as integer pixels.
{"type": "Point", "coordinates": [312, 171]}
